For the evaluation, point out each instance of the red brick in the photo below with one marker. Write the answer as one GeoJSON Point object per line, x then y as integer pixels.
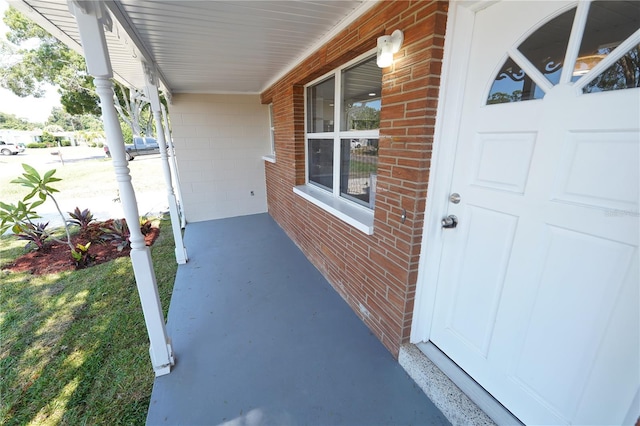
{"type": "Point", "coordinates": [377, 271]}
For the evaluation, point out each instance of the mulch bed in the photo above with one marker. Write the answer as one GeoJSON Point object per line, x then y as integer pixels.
{"type": "Point", "coordinates": [56, 257]}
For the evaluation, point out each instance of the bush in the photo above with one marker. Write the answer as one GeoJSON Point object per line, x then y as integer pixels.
{"type": "Point", "coordinates": [91, 144]}
{"type": "Point", "coordinates": [65, 143]}
{"type": "Point", "coordinates": [36, 145]}
{"type": "Point", "coordinates": [100, 145]}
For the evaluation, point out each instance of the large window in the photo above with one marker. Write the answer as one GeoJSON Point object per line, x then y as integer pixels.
{"type": "Point", "coordinates": [342, 124]}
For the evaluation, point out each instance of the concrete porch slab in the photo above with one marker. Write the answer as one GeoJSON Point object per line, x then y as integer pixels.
{"type": "Point", "coordinates": [261, 338]}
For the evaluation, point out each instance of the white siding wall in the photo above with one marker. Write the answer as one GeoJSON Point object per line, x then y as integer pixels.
{"type": "Point", "coordinates": [220, 141]}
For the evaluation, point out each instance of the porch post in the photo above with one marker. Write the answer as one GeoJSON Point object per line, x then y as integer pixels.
{"type": "Point", "coordinates": [174, 165]}
{"type": "Point", "coordinates": [91, 16]}
{"type": "Point", "coordinates": [154, 100]}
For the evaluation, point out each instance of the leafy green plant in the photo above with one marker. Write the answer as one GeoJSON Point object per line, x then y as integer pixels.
{"type": "Point", "coordinates": [36, 145]}
{"type": "Point", "coordinates": [81, 218]}
{"type": "Point", "coordinates": [81, 255]}
{"type": "Point", "coordinates": [34, 234]}
{"type": "Point", "coordinates": [17, 216]}
{"type": "Point", "coordinates": [117, 233]}
{"type": "Point", "coordinates": [40, 186]}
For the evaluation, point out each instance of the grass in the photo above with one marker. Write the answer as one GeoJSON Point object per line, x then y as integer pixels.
{"type": "Point", "coordinates": [73, 346]}
{"type": "Point", "coordinates": [83, 178]}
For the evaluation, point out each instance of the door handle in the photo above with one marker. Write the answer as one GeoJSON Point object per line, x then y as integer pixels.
{"type": "Point", "coordinates": [449, 222]}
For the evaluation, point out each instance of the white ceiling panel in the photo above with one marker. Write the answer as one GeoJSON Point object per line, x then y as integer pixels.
{"type": "Point", "coordinates": [233, 46]}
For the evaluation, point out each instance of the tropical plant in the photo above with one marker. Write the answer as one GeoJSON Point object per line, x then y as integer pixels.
{"type": "Point", "coordinates": [81, 255]}
{"type": "Point", "coordinates": [34, 234]}
{"type": "Point", "coordinates": [81, 218]}
{"type": "Point", "coordinates": [17, 216]}
{"type": "Point", "coordinates": [117, 233]}
{"type": "Point", "coordinates": [40, 186]}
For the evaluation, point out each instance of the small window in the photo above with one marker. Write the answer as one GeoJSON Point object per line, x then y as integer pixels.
{"type": "Point", "coordinates": [272, 131]}
{"type": "Point", "coordinates": [343, 121]}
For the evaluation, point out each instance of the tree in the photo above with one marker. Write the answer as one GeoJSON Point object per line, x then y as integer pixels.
{"type": "Point", "coordinates": [51, 61]}
{"type": "Point", "coordinates": [27, 70]}
{"type": "Point", "coordinates": [69, 122]}
{"type": "Point", "coordinates": [10, 121]}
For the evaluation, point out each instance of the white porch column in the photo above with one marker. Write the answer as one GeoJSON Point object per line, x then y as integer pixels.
{"type": "Point", "coordinates": [90, 17]}
{"type": "Point", "coordinates": [171, 151]}
{"type": "Point", "coordinates": [154, 100]}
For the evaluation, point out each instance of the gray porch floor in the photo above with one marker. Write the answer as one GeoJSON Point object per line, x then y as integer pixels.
{"type": "Point", "coordinates": [261, 338]}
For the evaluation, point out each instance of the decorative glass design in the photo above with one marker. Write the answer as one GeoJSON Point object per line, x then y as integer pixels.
{"type": "Point", "coordinates": [608, 25]}
{"type": "Point", "coordinates": [512, 84]}
{"type": "Point", "coordinates": [546, 47]}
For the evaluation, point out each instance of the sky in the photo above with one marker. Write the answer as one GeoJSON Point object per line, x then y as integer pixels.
{"type": "Point", "coordinates": [31, 109]}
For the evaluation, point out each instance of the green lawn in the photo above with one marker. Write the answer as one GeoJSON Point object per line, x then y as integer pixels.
{"type": "Point", "coordinates": [73, 346]}
{"type": "Point", "coordinates": [88, 178]}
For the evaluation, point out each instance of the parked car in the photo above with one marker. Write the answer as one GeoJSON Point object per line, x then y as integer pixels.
{"type": "Point", "coordinates": [140, 146]}
{"type": "Point", "coordinates": [10, 148]}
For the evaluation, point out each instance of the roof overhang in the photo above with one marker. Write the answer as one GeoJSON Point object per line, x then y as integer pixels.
{"type": "Point", "coordinates": [226, 46]}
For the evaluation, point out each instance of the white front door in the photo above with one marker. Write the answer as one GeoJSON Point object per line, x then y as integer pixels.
{"type": "Point", "coordinates": [538, 290]}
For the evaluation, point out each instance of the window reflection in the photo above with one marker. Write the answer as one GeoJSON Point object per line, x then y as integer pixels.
{"type": "Point", "coordinates": [624, 74]}
{"type": "Point", "coordinates": [361, 88]}
{"type": "Point", "coordinates": [546, 47]}
{"type": "Point", "coordinates": [321, 162]}
{"type": "Point", "coordinates": [609, 23]}
{"type": "Point", "coordinates": [358, 170]}
{"type": "Point", "coordinates": [320, 106]}
{"type": "Point", "coordinates": [512, 84]}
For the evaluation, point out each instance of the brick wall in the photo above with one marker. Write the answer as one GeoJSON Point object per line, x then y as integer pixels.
{"type": "Point", "coordinates": [375, 274]}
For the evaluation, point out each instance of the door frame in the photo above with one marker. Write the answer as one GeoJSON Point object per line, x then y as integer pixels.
{"type": "Point", "coordinates": [457, 46]}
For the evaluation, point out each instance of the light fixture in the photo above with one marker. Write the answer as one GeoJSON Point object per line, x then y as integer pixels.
{"type": "Point", "coordinates": [585, 63]}
{"type": "Point", "coordinates": [387, 46]}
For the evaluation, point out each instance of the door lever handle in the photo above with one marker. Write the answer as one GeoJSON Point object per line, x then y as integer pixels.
{"type": "Point", "coordinates": [449, 222]}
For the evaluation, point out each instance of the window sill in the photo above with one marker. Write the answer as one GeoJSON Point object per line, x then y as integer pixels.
{"type": "Point", "coordinates": [360, 218]}
{"type": "Point", "coordinates": [270, 158]}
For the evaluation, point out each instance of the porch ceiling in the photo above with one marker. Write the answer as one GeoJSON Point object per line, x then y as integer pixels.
{"type": "Point", "coordinates": [206, 46]}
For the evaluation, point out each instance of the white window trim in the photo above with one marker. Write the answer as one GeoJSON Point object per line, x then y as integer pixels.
{"type": "Point", "coordinates": [271, 157]}
{"type": "Point", "coordinates": [354, 214]}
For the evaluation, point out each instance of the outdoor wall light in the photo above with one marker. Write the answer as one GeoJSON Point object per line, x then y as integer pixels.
{"type": "Point", "coordinates": [387, 46]}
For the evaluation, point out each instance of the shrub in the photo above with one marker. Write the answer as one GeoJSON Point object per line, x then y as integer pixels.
{"type": "Point", "coordinates": [117, 233]}
{"type": "Point", "coordinates": [34, 234]}
{"type": "Point", "coordinates": [81, 256]}
{"type": "Point", "coordinates": [80, 218]}
{"type": "Point", "coordinates": [100, 145]}
{"type": "Point", "coordinates": [65, 143]}
{"type": "Point", "coordinates": [36, 145]}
